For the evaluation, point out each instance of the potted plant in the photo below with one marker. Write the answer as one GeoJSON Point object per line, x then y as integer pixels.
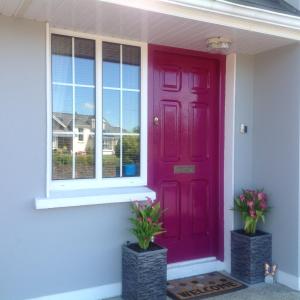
{"type": "Point", "coordinates": [144, 264]}
{"type": "Point", "coordinates": [250, 248]}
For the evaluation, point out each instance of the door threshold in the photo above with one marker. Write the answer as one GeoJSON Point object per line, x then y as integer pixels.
{"type": "Point", "coordinates": [194, 267]}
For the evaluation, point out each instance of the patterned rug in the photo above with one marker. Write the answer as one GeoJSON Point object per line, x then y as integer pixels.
{"type": "Point", "coordinates": [202, 286]}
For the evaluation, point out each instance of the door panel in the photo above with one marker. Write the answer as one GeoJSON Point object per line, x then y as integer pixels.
{"type": "Point", "coordinates": [170, 200]}
{"type": "Point", "coordinates": [199, 193]}
{"type": "Point", "coordinates": [198, 131]}
{"type": "Point", "coordinates": [170, 130]}
{"type": "Point", "coordinates": [184, 157]}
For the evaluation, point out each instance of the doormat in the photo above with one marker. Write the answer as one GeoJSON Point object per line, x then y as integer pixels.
{"type": "Point", "coordinates": [202, 286]}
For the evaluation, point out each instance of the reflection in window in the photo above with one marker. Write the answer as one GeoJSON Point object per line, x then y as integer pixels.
{"type": "Point", "coordinates": [131, 112]}
{"type": "Point", "coordinates": [80, 135]}
{"type": "Point", "coordinates": [121, 110]}
{"type": "Point", "coordinates": [73, 107]}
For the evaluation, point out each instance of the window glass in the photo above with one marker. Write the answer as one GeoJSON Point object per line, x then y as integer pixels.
{"type": "Point", "coordinates": [85, 108]}
{"type": "Point", "coordinates": [61, 58]}
{"type": "Point", "coordinates": [131, 67]}
{"type": "Point", "coordinates": [84, 61]}
{"type": "Point", "coordinates": [111, 111]}
{"type": "Point", "coordinates": [111, 156]}
{"type": "Point", "coordinates": [85, 155]}
{"type": "Point", "coordinates": [111, 65]}
{"type": "Point", "coordinates": [131, 112]}
{"type": "Point", "coordinates": [62, 149]}
{"type": "Point", "coordinates": [62, 108]}
{"type": "Point", "coordinates": [73, 107]}
{"type": "Point", "coordinates": [121, 111]}
{"type": "Point", "coordinates": [74, 111]}
{"type": "Point", "coordinates": [131, 155]}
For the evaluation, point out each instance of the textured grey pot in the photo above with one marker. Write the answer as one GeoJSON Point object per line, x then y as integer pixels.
{"type": "Point", "coordinates": [249, 253]}
{"type": "Point", "coordinates": [144, 274]}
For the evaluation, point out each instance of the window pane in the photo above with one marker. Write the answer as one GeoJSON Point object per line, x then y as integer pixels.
{"type": "Point", "coordinates": [84, 147]}
{"type": "Point", "coordinates": [131, 67]}
{"type": "Point", "coordinates": [111, 156]}
{"type": "Point", "coordinates": [131, 112]}
{"type": "Point", "coordinates": [61, 58]}
{"type": "Point", "coordinates": [111, 65]}
{"type": "Point", "coordinates": [111, 111]}
{"type": "Point", "coordinates": [62, 107]}
{"type": "Point", "coordinates": [131, 156]}
{"type": "Point", "coordinates": [72, 103]}
{"type": "Point", "coordinates": [84, 61]}
{"type": "Point", "coordinates": [85, 108]}
{"type": "Point", "coordinates": [62, 156]}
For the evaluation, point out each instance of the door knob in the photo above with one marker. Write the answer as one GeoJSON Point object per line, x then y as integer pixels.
{"type": "Point", "coordinates": [155, 121]}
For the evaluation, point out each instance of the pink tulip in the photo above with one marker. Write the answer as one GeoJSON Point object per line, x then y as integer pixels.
{"type": "Point", "coordinates": [252, 213]}
{"type": "Point", "coordinates": [263, 205]}
{"type": "Point", "coordinates": [242, 198]}
{"type": "Point", "coordinates": [261, 196]}
{"type": "Point", "coordinates": [149, 201]}
{"type": "Point", "coordinates": [149, 220]}
{"type": "Point", "coordinates": [250, 204]}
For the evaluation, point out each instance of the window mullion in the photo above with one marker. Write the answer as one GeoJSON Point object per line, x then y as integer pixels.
{"type": "Point", "coordinates": [73, 90]}
{"type": "Point", "coordinates": [121, 111]}
{"type": "Point", "coordinates": [99, 116]}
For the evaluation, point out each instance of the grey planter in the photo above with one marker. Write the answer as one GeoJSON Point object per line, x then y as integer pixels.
{"type": "Point", "coordinates": [144, 274]}
{"type": "Point", "coordinates": [249, 253]}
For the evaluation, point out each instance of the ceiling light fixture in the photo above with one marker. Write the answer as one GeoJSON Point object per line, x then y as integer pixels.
{"type": "Point", "coordinates": [218, 43]}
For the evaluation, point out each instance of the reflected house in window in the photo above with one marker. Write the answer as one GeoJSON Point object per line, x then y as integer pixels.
{"type": "Point", "coordinates": [109, 143]}
{"type": "Point", "coordinates": [62, 122]}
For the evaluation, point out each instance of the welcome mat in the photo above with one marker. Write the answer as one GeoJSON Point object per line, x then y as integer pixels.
{"type": "Point", "coordinates": [202, 286]}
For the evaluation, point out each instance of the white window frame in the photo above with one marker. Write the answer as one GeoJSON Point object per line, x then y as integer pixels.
{"type": "Point", "coordinates": [98, 181]}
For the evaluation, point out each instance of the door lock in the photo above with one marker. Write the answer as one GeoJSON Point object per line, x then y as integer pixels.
{"type": "Point", "coordinates": [155, 121]}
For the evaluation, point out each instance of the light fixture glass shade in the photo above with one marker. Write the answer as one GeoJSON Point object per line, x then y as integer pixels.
{"type": "Point", "coordinates": [218, 43]}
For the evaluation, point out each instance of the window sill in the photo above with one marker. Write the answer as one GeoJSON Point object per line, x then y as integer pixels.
{"type": "Point", "coordinates": [72, 198]}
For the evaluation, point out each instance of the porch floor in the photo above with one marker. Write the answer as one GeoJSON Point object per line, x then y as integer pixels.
{"type": "Point", "coordinates": [256, 292]}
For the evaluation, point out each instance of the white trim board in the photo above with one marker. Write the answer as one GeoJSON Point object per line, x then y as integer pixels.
{"type": "Point", "coordinates": [94, 197]}
{"type": "Point", "coordinates": [174, 271]}
{"type": "Point", "coordinates": [222, 13]}
{"type": "Point", "coordinates": [230, 89]}
{"type": "Point", "coordinates": [194, 267]}
{"type": "Point", "coordinates": [94, 293]}
{"type": "Point", "coordinates": [289, 280]}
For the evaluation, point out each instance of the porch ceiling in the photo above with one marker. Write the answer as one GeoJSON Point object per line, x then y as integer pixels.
{"type": "Point", "coordinates": [107, 19]}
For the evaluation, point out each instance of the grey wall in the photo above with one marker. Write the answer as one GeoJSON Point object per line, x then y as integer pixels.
{"type": "Point", "coordinates": [276, 147]}
{"type": "Point", "coordinates": [243, 151]}
{"type": "Point", "coordinates": [56, 250]}
{"type": "Point", "coordinates": [244, 114]}
{"type": "Point", "coordinates": [267, 100]}
{"type": "Point", "coordinates": [295, 3]}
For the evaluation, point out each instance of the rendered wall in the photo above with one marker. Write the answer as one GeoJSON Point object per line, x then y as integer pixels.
{"type": "Point", "coordinates": [51, 251]}
{"type": "Point", "coordinates": [276, 148]}
{"type": "Point", "coordinates": [267, 100]}
{"type": "Point", "coordinates": [295, 3]}
{"type": "Point", "coordinates": [243, 115]}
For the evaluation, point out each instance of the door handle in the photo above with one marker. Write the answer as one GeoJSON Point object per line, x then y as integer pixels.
{"type": "Point", "coordinates": [155, 121]}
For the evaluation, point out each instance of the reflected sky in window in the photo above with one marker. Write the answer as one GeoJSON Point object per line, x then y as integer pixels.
{"type": "Point", "coordinates": [84, 71]}
{"type": "Point", "coordinates": [85, 101]}
{"type": "Point", "coordinates": [111, 74]}
{"type": "Point", "coordinates": [62, 99]}
{"type": "Point", "coordinates": [62, 68]}
{"type": "Point", "coordinates": [131, 112]}
{"type": "Point", "coordinates": [111, 110]}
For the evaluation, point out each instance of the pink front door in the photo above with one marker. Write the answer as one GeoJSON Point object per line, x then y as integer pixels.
{"type": "Point", "coordinates": [184, 121]}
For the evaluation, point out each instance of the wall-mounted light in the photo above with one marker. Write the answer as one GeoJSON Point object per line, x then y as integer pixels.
{"type": "Point", "coordinates": [218, 43]}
